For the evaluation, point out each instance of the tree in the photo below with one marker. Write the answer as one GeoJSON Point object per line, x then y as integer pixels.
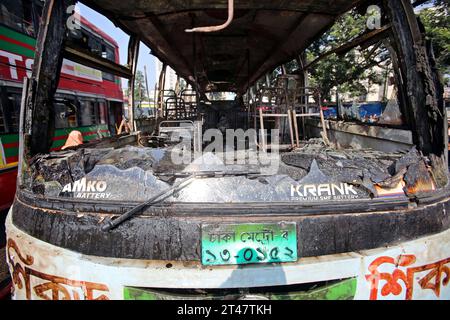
{"type": "Point", "coordinates": [353, 72]}
{"type": "Point", "coordinates": [436, 21]}
{"type": "Point", "coordinates": [140, 93]}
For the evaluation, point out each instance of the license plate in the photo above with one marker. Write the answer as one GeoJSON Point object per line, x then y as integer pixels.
{"type": "Point", "coordinates": [235, 244]}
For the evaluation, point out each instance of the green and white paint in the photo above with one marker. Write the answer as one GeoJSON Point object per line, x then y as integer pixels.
{"type": "Point", "coordinates": [421, 268]}
{"type": "Point", "coordinates": [238, 244]}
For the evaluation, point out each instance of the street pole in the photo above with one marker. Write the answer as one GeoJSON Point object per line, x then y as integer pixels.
{"type": "Point", "coordinates": [146, 84]}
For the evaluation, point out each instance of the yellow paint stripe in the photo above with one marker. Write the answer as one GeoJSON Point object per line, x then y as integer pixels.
{"type": "Point", "coordinates": [9, 165]}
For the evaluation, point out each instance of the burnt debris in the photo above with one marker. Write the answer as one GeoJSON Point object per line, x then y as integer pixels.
{"type": "Point", "coordinates": [135, 173]}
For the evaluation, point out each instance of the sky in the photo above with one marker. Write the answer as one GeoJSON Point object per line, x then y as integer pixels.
{"type": "Point", "coordinates": [145, 58]}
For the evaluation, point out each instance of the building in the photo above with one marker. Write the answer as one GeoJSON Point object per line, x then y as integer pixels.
{"type": "Point", "coordinates": [171, 76]}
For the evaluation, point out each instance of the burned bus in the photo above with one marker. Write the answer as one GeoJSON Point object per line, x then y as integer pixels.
{"type": "Point", "coordinates": [87, 100]}
{"type": "Point", "coordinates": [244, 189]}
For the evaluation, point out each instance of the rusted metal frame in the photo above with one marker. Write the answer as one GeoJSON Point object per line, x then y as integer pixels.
{"type": "Point", "coordinates": [214, 5]}
{"type": "Point", "coordinates": [261, 125]}
{"type": "Point", "coordinates": [304, 115]}
{"type": "Point", "coordinates": [249, 90]}
{"type": "Point", "coordinates": [167, 96]}
{"type": "Point", "coordinates": [271, 89]}
{"type": "Point", "coordinates": [24, 132]}
{"type": "Point", "coordinates": [196, 85]}
{"type": "Point", "coordinates": [146, 84]}
{"type": "Point", "coordinates": [401, 94]}
{"type": "Point", "coordinates": [161, 84]}
{"type": "Point", "coordinates": [197, 137]}
{"type": "Point", "coordinates": [277, 116]}
{"type": "Point", "coordinates": [440, 94]}
{"type": "Point", "coordinates": [94, 61]}
{"type": "Point", "coordinates": [189, 93]}
{"type": "Point", "coordinates": [277, 119]}
{"type": "Point", "coordinates": [46, 74]}
{"type": "Point", "coordinates": [291, 129]}
{"type": "Point", "coordinates": [322, 120]}
{"type": "Point", "coordinates": [133, 56]}
{"type": "Point", "coordinates": [304, 98]}
{"type": "Point", "coordinates": [254, 96]}
{"type": "Point", "coordinates": [288, 106]}
{"type": "Point", "coordinates": [255, 106]}
{"type": "Point", "coordinates": [302, 61]}
{"type": "Point", "coordinates": [297, 138]}
{"type": "Point", "coordinates": [376, 34]}
{"type": "Point", "coordinates": [423, 110]}
{"type": "Point", "coordinates": [155, 100]}
{"type": "Point", "coordinates": [172, 105]}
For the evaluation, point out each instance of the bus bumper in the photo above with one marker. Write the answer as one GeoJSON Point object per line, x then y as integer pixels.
{"type": "Point", "coordinates": [417, 269]}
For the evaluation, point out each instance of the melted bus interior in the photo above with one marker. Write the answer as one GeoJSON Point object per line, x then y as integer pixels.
{"type": "Point", "coordinates": [320, 159]}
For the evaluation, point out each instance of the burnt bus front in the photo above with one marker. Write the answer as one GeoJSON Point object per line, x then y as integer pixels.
{"type": "Point", "coordinates": [203, 210]}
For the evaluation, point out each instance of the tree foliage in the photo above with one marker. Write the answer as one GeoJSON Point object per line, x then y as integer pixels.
{"type": "Point", "coordinates": [352, 73]}
{"type": "Point", "coordinates": [140, 92]}
{"type": "Point", "coordinates": [436, 21]}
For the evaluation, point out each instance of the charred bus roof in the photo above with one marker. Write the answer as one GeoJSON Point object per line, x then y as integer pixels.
{"type": "Point", "coordinates": [263, 34]}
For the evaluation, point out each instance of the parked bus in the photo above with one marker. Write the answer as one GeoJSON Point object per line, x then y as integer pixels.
{"type": "Point", "coordinates": [87, 100]}
{"type": "Point", "coordinates": [314, 209]}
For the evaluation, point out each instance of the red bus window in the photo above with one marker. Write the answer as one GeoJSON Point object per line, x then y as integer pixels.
{"type": "Point", "coordinates": [11, 110]}
{"type": "Point", "coordinates": [89, 112]}
{"type": "Point", "coordinates": [65, 115]}
{"type": "Point", "coordinates": [103, 113]}
{"type": "Point", "coordinates": [2, 121]}
{"type": "Point", "coordinates": [17, 15]}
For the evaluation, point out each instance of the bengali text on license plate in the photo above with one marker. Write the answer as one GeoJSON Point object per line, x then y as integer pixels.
{"type": "Point", "coordinates": [224, 244]}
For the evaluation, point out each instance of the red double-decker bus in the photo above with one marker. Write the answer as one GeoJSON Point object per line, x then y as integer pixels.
{"type": "Point", "coordinates": [87, 100]}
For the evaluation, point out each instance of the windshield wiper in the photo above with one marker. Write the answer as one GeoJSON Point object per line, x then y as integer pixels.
{"type": "Point", "coordinates": [191, 176]}
{"type": "Point", "coordinates": [111, 224]}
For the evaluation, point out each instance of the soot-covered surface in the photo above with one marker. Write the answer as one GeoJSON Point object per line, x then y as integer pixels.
{"type": "Point", "coordinates": [137, 174]}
